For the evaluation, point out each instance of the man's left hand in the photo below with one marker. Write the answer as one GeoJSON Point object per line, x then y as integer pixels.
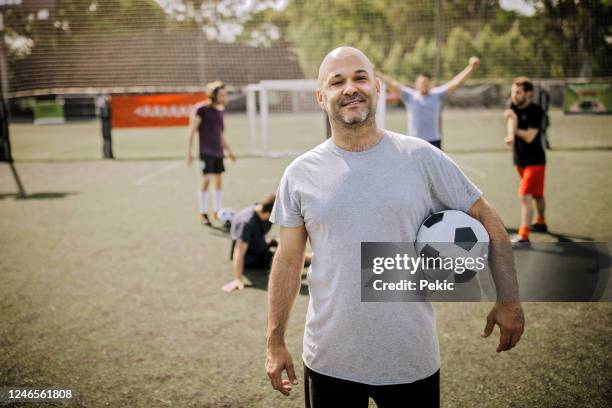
{"type": "Point", "coordinates": [474, 62]}
{"type": "Point", "coordinates": [509, 317]}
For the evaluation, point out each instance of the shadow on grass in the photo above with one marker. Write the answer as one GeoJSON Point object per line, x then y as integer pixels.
{"type": "Point", "coordinates": [259, 280]}
{"type": "Point", "coordinates": [559, 237]}
{"type": "Point", "coordinates": [37, 196]}
{"type": "Point", "coordinates": [21, 193]}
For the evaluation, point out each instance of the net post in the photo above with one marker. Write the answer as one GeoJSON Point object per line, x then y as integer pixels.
{"type": "Point", "coordinates": [252, 115]}
{"type": "Point", "coordinates": [263, 109]}
{"type": "Point", "coordinates": [5, 142]}
{"type": "Point", "coordinates": [105, 116]}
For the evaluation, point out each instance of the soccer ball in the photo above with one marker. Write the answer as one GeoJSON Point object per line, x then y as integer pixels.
{"type": "Point", "coordinates": [226, 216]}
{"type": "Point", "coordinates": [452, 234]}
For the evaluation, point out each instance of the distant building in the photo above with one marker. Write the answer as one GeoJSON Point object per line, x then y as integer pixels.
{"type": "Point", "coordinates": [149, 60]}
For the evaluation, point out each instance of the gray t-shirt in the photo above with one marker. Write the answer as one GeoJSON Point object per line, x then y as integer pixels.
{"type": "Point", "coordinates": [424, 118]}
{"type": "Point", "coordinates": [343, 198]}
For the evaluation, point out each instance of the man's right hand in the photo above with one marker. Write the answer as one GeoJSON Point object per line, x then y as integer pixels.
{"type": "Point", "coordinates": [188, 159]}
{"type": "Point", "coordinates": [278, 359]}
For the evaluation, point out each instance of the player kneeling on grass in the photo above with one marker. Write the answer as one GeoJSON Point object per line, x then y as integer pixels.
{"type": "Point", "coordinates": [207, 121]}
{"type": "Point", "coordinates": [250, 248]}
{"type": "Point", "coordinates": [523, 120]}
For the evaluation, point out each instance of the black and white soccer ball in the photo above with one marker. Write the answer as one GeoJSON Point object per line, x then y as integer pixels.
{"type": "Point", "coordinates": [226, 216]}
{"type": "Point", "coordinates": [452, 234]}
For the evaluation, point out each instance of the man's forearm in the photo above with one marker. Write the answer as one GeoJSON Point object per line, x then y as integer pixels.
{"type": "Point", "coordinates": [460, 78]}
{"type": "Point", "coordinates": [391, 83]}
{"type": "Point", "coordinates": [190, 141]}
{"type": "Point", "coordinates": [501, 260]}
{"type": "Point", "coordinates": [225, 145]}
{"type": "Point", "coordinates": [283, 288]}
{"type": "Point", "coordinates": [238, 266]}
{"type": "Point", "coordinates": [511, 126]}
{"type": "Point", "coordinates": [501, 263]}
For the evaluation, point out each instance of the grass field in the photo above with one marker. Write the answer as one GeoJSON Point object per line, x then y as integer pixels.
{"type": "Point", "coordinates": [464, 130]}
{"type": "Point", "coordinates": [111, 287]}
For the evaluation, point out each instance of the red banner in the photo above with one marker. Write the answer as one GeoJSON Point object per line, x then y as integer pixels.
{"type": "Point", "coordinates": [153, 110]}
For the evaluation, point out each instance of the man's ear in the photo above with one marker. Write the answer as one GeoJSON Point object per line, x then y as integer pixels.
{"type": "Point", "coordinates": [320, 99]}
{"type": "Point", "coordinates": [377, 83]}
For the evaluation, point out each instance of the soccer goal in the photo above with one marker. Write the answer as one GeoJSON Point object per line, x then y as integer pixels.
{"type": "Point", "coordinates": [289, 121]}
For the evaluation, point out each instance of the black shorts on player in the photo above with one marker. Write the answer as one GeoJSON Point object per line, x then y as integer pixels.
{"type": "Point", "coordinates": [322, 391]}
{"type": "Point", "coordinates": [212, 164]}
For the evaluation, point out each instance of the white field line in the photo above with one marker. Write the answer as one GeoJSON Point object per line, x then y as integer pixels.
{"type": "Point", "coordinates": [470, 169]}
{"type": "Point", "coordinates": [143, 180]}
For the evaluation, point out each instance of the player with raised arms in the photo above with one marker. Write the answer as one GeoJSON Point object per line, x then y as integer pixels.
{"type": "Point", "coordinates": [424, 104]}
{"type": "Point", "coordinates": [207, 122]}
{"type": "Point", "coordinates": [368, 184]}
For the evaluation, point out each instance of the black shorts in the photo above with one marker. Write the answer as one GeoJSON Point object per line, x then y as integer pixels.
{"type": "Point", "coordinates": [262, 260]}
{"type": "Point", "coordinates": [322, 391]}
{"type": "Point", "coordinates": [212, 164]}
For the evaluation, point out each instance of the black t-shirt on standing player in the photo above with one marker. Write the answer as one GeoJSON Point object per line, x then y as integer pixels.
{"type": "Point", "coordinates": [529, 154]}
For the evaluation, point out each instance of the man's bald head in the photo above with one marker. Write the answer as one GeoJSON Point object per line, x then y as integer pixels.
{"type": "Point", "coordinates": [348, 89]}
{"type": "Point", "coordinates": [341, 56]}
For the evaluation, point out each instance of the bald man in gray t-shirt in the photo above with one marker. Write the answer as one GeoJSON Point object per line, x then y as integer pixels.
{"type": "Point", "coordinates": [366, 184]}
{"type": "Point", "coordinates": [344, 198]}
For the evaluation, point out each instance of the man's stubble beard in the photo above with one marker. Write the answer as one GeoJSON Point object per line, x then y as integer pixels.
{"type": "Point", "coordinates": [366, 119]}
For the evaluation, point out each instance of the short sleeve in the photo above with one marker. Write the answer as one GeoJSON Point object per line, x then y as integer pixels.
{"type": "Point", "coordinates": [449, 186]}
{"type": "Point", "coordinates": [286, 211]}
{"type": "Point", "coordinates": [246, 234]}
{"type": "Point", "coordinates": [200, 112]}
{"type": "Point", "coordinates": [440, 91]}
{"type": "Point", "coordinates": [236, 230]}
{"type": "Point", "coordinates": [406, 94]}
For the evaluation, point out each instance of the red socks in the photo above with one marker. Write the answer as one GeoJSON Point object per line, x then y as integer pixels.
{"type": "Point", "coordinates": [524, 231]}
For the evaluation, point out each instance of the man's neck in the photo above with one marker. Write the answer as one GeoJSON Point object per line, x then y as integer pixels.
{"type": "Point", "coordinates": [218, 106]}
{"type": "Point", "coordinates": [523, 105]}
{"type": "Point", "coordinates": [356, 138]}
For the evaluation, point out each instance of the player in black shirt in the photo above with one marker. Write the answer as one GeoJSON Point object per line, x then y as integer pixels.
{"type": "Point", "coordinates": [523, 120]}
{"type": "Point", "coordinates": [250, 248]}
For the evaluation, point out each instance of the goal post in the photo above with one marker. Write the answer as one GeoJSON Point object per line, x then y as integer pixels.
{"type": "Point", "coordinates": [292, 97]}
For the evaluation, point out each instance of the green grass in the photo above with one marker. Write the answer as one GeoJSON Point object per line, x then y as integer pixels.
{"type": "Point", "coordinates": [464, 131]}
{"type": "Point", "coordinates": [111, 287]}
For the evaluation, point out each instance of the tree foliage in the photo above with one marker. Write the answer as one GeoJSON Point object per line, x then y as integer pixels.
{"type": "Point", "coordinates": [564, 38]}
